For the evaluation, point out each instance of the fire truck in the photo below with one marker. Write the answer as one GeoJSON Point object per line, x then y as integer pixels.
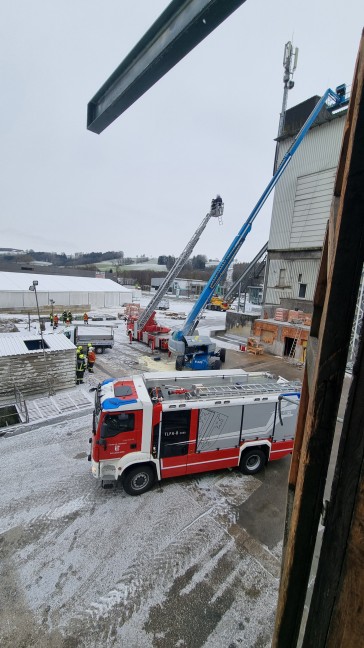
{"type": "Point", "coordinates": [158, 425]}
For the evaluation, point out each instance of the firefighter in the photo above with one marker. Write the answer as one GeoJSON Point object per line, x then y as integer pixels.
{"type": "Point", "coordinates": [51, 319]}
{"type": "Point", "coordinates": [85, 318]}
{"type": "Point", "coordinates": [78, 350]}
{"type": "Point", "coordinates": [55, 321]}
{"type": "Point", "coordinates": [70, 317]}
{"type": "Point", "coordinates": [64, 317]}
{"type": "Point", "coordinates": [80, 368]}
{"type": "Point", "coordinates": [91, 358]}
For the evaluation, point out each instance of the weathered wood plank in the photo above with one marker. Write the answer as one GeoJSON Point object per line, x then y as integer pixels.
{"type": "Point", "coordinates": [338, 594]}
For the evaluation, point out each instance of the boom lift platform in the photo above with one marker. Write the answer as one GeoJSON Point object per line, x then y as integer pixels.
{"type": "Point", "coordinates": [203, 357]}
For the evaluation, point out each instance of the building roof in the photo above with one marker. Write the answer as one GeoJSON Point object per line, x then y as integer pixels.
{"type": "Point", "coordinates": [296, 116]}
{"type": "Point", "coordinates": [20, 281]}
{"type": "Point", "coordinates": [12, 344]}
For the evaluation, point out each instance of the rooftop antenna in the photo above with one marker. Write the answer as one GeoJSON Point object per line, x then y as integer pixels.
{"type": "Point", "coordinates": [290, 58]}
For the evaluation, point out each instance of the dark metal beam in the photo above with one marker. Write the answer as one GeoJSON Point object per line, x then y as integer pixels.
{"type": "Point", "coordinates": [182, 25]}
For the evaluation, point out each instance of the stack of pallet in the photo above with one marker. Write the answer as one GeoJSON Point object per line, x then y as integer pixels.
{"type": "Point", "coordinates": [254, 346]}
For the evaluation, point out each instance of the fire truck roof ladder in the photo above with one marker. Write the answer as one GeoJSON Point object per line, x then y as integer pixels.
{"type": "Point", "coordinates": [247, 390]}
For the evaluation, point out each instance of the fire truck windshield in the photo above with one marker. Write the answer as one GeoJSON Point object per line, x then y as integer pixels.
{"type": "Point", "coordinates": [114, 424]}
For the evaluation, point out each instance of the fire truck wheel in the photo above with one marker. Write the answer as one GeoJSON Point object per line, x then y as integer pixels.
{"type": "Point", "coordinates": [252, 461]}
{"type": "Point", "coordinates": [138, 480]}
{"type": "Point", "coordinates": [222, 355]}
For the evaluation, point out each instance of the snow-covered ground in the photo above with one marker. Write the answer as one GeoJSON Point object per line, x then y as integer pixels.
{"type": "Point", "coordinates": [176, 567]}
{"type": "Point", "coordinates": [87, 567]}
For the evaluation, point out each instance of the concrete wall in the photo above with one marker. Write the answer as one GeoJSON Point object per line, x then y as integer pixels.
{"type": "Point", "coordinates": [27, 372]}
{"type": "Point", "coordinates": [239, 324]}
{"type": "Point", "coordinates": [273, 336]}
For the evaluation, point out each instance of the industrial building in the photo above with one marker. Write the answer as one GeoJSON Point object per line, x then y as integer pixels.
{"type": "Point", "coordinates": [75, 293]}
{"type": "Point", "coordinates": [301, 209]}
{"type": "Point", "coordinates": [181, 287]}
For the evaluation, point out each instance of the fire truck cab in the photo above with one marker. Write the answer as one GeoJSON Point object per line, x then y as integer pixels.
{"type": "Point", "coordinates": [159, 425]}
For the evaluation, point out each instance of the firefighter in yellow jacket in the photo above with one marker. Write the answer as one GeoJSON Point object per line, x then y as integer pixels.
{"type": "Point", "coordinates": [80, 368]}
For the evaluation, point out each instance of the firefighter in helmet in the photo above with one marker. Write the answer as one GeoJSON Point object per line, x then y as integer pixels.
{"type": "Point", "coordinates": [91, 357]}
{"type": "Point", "coordinates": [80, 368]}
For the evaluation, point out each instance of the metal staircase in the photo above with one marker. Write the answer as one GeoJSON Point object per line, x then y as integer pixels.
{"type": "Point", "coordinates": [61, 403]}
{"type": "Point", "coordinates": [254, 268]}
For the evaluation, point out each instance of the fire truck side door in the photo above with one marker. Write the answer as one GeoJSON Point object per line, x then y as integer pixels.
{"type": "Point", "coordinates": [120, 434]}
{"type": "Point", "coordinates": [174, 441]}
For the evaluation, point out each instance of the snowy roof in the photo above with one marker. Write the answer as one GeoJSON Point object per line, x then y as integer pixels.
{"type": "Point", "coordinates": [15, 343]}
{"type": "Point", "coordinates": [20, 281]}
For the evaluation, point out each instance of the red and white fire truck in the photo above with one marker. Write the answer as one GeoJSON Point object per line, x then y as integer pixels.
{"type": "Point", "coordinates": [158, 425]}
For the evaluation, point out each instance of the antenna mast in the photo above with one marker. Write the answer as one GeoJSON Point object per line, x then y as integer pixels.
{"type": "Point", "coordinates": [289, 65]}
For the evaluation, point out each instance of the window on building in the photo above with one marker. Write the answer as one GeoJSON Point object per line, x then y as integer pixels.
{"type": "Point", "coordinates": [302, 290]}
{"type": "Point", "coordinates": [300, 277]}
{"type": "Point", "coordinates": [282, 277]}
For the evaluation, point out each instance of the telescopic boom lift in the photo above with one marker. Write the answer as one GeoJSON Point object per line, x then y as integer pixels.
{"type": "Point", "coordinates": [216, 211]}
{"type": "Point", "coordinates": [194, 352]}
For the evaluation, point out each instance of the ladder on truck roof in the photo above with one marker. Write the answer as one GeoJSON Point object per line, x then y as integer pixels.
{"type": "Point", "coordinates": [247, 390]}
{"type": "Point", "coordinates": [216, 211]}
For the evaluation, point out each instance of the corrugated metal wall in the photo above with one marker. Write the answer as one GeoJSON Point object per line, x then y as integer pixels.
{"type": "Point", "coordinates": [301, 209]}
{"type": "Point", "coordinates": [311, 209]}
{"type": "Point", "coordinates": [307, 268]}
{"type": "Point", "coordinates": [318, 153]}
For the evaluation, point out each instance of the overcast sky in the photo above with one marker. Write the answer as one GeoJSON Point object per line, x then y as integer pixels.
{"type": "Point", "coordinates": [144, 185]}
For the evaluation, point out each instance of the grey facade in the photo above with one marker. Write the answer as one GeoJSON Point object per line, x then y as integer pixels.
{"type": "Point", "coordinates": [301, 210]}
